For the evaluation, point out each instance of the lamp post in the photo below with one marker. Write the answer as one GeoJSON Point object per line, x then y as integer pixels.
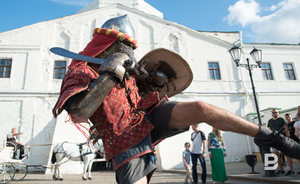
{"type": "Point", "coordinates": [256, 54]}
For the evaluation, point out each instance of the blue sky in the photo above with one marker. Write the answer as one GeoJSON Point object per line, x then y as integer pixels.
{"type": "Point", "coordinates": [261, 21]}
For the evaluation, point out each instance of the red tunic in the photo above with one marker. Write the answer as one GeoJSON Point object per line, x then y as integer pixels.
{"type": "Point", "coordinates": [120, 123]}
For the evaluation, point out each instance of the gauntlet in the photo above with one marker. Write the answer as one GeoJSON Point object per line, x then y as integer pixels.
{"type": "Point", "coordinates": [83, 105]}
{"type": "Point", "coordinates": [113, 65]}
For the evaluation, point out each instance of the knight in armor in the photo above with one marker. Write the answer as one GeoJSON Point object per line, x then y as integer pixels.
{"type": "Point", "coordinates": [127, 101]}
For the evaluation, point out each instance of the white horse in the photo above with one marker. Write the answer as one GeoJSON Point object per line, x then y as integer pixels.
{"type": "Point", "coordinates": [62, 152]}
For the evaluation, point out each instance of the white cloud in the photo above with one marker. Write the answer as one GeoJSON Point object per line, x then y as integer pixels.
{"type": "Point", "coordinates": [277, 6]}
{"type": "Point", "coordinates": [243, 12]}
{"type": "Point", "coordinates": [73, 2]}
{"type": "Point", "coordinates": [282, 25]}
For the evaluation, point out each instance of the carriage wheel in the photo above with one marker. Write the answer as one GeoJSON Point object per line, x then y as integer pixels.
{"type": "Point", "coordinates": [21, 171]}
{"type": "Point", "coordinates": [7, 172]}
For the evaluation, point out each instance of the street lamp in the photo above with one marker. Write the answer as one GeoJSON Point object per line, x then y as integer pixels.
{"type": "Point", "coordinates": [256, 54]}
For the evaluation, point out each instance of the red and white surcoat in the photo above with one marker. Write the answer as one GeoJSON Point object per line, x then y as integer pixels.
{"type": "Point", "coordinates": [121, 124]}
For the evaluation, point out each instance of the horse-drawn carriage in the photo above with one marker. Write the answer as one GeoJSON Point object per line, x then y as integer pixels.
{"type": "Point", "coordinates": [16, 169]}
{"type": "Point", "coordinates": [12, 169]}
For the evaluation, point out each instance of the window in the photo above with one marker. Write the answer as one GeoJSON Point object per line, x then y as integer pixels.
{"type": "Point", "coordinates": [214, 70]}
{"type": "Point", "coordinates": [289, 71]}
{"type": "Point", "coordinates": [266, 70]}
{"type": "Point", "coordinates": [5, 68]}
{"type": "Point", "coordinates": [59, 69]}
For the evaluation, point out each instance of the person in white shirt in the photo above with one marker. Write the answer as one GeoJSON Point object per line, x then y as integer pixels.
{"type": "Point", "coordinates": [198, 152]}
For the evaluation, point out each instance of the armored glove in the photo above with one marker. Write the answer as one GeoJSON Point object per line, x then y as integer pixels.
{"type": "Point", "coordinates": [268, 138]}
{"type": "Point", "coordinates": [83, 105]}
{"type": "Point", "coordinates": [114, 65]}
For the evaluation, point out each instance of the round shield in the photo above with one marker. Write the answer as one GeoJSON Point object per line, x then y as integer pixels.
{"type": "Point", "coordinates": [174, 66]}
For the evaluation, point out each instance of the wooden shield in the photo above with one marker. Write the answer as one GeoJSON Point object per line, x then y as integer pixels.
{"type": "Point", "coordinates": [177, 69]}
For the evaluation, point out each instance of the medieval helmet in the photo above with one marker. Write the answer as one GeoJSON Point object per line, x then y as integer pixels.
{"type": "Point", "coordinates": [121, 24]}
{"type": "Point", "coordinates": [118, 28]}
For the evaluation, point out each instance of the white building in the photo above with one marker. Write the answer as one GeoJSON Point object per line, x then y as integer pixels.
{"type": "Point", "coordinates": [29, 89]}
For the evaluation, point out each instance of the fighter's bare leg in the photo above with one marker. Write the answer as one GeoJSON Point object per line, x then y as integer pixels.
{"type": "Point", "coordinates": [188, 113]}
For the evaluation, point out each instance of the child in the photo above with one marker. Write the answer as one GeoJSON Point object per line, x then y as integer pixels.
{"type": "Point", "coordinates": [186, 157]}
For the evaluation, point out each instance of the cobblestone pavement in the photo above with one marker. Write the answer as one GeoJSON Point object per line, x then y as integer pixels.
{"type": "Point", "coordinates": [108, 177]}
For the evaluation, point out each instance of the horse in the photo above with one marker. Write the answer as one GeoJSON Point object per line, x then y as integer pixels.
{"type": "Point", "coordinates": [62, 152]}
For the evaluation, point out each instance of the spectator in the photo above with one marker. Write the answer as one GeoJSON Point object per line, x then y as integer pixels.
{"type": "Point", "coordinates": [290, 132]}
{"type": "Point", "coordinates": [277, 123]}
{"type": "Point", "coordinates": [12, 141]}
{"type": "Point", "coordinates": [186, 158]}
{"type": "Point", "coordinates": [217, 152]}
{"type": "Point", "coordinates": [198, 152]}
{"type": "Point", "coordinates": [298, 111]}
{"type": "Point", "coordinates": [297, 126]}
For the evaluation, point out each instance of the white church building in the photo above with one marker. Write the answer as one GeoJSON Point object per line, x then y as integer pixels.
{"type": "Point", "coordinates": [30, 77]}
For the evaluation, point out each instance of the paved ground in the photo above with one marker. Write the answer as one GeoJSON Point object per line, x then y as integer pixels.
{"type": "Point", "coordinates": [107, 177]}
{"type": "Point", "coordinates": [240, 171]}
{"type": "Point", "coordinates": [237, 174]}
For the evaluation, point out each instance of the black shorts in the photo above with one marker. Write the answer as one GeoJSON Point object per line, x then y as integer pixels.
{"type": "Point", "coordinates": [160, 118]}
{"type": "Point", "coordinates": [142, 166]}
{"type": "Point", "coordinates": [135, 169]}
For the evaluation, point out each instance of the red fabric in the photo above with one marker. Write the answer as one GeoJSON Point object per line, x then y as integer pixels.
{"type": "Point", "coordinates": [120, 124]}
{"type": "Point", "coordinates": [102, 39]}
{"type": "Point", "coordinates": [117, 34]}
{"type": "Point", "coordinates": [79, 74]}
{"type": "Point", "coordinates": [97, 45]}
{"type": "Point", "coordinates": [147, 102]}
{"type": "Point", "coordinates": [76, 80]}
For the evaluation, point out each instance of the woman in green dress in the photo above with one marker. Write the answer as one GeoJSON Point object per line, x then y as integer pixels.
{"type": "Point", "coordinates": [217, 152]}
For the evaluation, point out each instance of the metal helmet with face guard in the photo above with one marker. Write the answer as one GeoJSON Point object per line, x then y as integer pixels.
{"type": "Point", "coordinates": [123, 26]}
